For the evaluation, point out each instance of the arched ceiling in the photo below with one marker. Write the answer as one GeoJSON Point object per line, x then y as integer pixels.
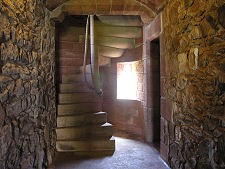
{"type": "Point", "coordinates": [153, 4]}
{"type": "Point", "coordinates": [147, 9]}
{"type": "Point", "coordinates": [119, 22]}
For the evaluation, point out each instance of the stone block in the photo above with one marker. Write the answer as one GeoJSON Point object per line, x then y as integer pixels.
{"type": "Point", "coordinates": [2, 116]}
{"type": "Point", "coordinates": [166, 109]}
{"type": "Point", "coordinates": [183, 62]}
{"type": "Point", "coordinates": [164, 152]}
{"type": "Point", "coordinates": [221, 15]}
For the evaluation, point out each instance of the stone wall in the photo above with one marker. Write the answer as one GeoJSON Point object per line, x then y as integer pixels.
{"type": "Point", "coordinates": [70, 47]}
{"type": "Point", "coordinates": [27, 85]}
{"type": "Point", "coordinates": [194, 84]}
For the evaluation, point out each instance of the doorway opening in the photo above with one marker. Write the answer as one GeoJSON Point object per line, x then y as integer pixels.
{"type": "Point", "coordinates": [155, 90]}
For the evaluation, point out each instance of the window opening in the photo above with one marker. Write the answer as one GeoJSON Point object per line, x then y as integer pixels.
{"type": "Point", "coordinates": [126, 81]}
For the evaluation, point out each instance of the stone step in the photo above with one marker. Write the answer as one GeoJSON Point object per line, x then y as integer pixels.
{"type": "Point", "coordinates": [83, 97]}
{"type": "Point", "coordinates": [78, 108]}
{"type": "Point", "coordinates": [74, 133]}
{"type": "Point", "coordinates": [73, 87]}
{"type": "Point", "coordinates": [74, 78]}
{"type": "Point", "coordinates": [83, 119]}
{"type": "Point", "coordinates": [84, 154]}
{"type": "Point", "coordinates": [86, 145]}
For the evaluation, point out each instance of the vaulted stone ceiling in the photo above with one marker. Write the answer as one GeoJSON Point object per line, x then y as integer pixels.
{"type": "Point", "coordinates": [153, 4]}
{"type": "Point", "coordinates": [115, 16]}
{"type": "Point", "coordinates": [147, 9]}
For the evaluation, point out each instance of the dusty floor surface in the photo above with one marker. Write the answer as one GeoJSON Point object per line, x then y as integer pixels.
{"type": "Point", "coordinates": [129, 154]}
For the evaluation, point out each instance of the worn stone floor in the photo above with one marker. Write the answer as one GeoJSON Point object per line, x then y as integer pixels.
{"type": "Point", "coordinates": [129, 154]}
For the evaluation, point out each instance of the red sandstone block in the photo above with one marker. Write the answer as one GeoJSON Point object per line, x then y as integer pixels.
{"type": "Point", "coordinates": [71, 53]}
{"type": "Point", "coordinates": [69, 70]}
{"type": "Point", "coordinates": [162, 129]}
{"type": "Point", "coordinates": [139, 40]}
{"type": "Point", "coordinates": [150, 132]}
{"type": "Point", "coordinates": [162, 44]}
{"type": "Point", "coordinates": [146, 65]}
{"type": "Point", "coordinates": [163, 70]}
{"type": "Point", "coordinates": [162, 57]}
{"type": "Point", "coordinates": [117, 5]}
{"type": "Point", "coordinates": [65, 45]}
{"type": "Point", "coordinates": [146, 50]}
{"type": "Point", "coordinates": [162, 87]}
{"type": "Point", "coordinates": [129, 128]}
{"type": "Point", "coordinates": [154, 28]}
{"type": "Point", "coordinates": [152, 100]}
{"type": "Point", "coordinates": [166, 109]}
{"type": "Point", "coordinates": [164, 150]}
{"type": "Point", "coordinates": [78, 46]}
{"type": "Point", "coordinates": [70, 62]}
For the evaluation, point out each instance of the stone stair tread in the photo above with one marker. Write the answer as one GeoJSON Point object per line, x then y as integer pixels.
{"type": "Point", "coordinates": [81, 119]}
{"type": "Point", "coordinates": [89, 152]}
{"type": "Point", "coordinates": [85, 151]}
{"type": "Point", "coordinates": [88, 139]}
{"type": "Point", "coordinates": [107, 124]}
{"type": "Point", "coordinates": [73, 93]}
{"type": "Point", "coordinates": [73, 103]}
{"type": "Point", "coordinates": [87, 113]}
{"type": "Point", "coordinates": [79, 108]}
{"type": "Point", "coordinates": [101, 112]}
{"type": "Point", "coordinates": [94, 138]}
{"type": "Point", "coordinates": [72, 133]}
{"type": "Point", "coordinates": [87, 126]}
{"type": "Point", "coordinates": [89, 144]}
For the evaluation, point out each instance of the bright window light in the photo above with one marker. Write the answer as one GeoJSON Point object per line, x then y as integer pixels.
{"type": "Point", "coordinates": [126, 81]}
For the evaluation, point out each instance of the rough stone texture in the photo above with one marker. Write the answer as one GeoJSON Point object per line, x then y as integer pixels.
{"type": "Point", "coordinates": [27, 86]}
{"type": "Point", "coordinates": [194, 84]}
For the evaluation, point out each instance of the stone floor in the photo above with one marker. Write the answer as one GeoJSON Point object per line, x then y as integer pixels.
{"type": "Point", "coordinates": [129, 154]}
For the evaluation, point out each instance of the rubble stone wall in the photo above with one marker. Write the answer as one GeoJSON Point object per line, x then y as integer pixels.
{"type": "Point", "coordinates": [27, 85]}
{"type": "Point", "coordinates": [194, 84]}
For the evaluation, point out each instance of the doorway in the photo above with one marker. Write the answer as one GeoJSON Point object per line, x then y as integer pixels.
{"type": "Point", "coordinates": [154, 93]}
